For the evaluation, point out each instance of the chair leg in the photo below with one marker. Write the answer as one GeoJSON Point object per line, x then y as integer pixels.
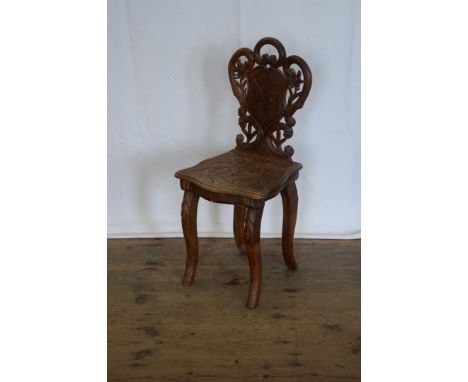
{"type": "Point", "coordinates": [289, 196]}
{"type": "Point", "coordinates": [189, 226]}
{"type": "Point", "coordinates": [253, 219]}
{"type": "Point", "coordinates": [238, 223]}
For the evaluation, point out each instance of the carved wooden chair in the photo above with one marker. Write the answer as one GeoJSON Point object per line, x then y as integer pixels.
{"type": "Point", "coordinates": [258, 168]}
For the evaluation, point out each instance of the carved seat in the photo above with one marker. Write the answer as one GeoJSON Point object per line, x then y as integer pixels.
{"type": "Point", "coordinates": [242, 174]}
{"type": "Point", "coordinates": [258, 168]}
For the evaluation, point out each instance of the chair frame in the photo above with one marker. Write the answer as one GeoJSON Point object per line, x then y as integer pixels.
{"type": "Point", "coordinates": [268, 98]}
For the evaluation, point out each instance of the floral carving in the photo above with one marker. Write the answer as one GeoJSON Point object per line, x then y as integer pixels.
{"type": "Point", "coordinates": [240, 74]}
{"type": "Point", "coordinates": [294, 86]}
{"type": "Point", "coordinates": [273, 121]}
{"type": "Point", "coordinates": [299, 84]}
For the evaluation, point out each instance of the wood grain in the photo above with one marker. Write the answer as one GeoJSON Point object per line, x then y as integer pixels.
{"type": "Point", "coordinates": [306, 328]}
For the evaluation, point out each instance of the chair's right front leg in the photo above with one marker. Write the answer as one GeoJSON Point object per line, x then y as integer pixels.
{"type": "Point", "coordinates": [189, 226]}
{"type": "Point", "coordinates": [253, 219]}
{"type": "Point", "coordinates": [289, 196]}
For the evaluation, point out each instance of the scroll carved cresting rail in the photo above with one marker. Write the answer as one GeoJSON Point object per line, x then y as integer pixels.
{"type": "Point", "coordinates": [269, 91]}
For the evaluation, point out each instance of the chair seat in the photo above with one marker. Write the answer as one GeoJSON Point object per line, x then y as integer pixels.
{"type": "Point", "coordinates": [242, 173]}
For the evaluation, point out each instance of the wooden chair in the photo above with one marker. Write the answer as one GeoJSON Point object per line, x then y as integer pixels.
{"type": "Point", "coordinates": [258, 168]}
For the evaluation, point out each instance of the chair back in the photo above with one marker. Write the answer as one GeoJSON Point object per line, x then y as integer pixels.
{"type": "Point", "coordinates": [269, 89]}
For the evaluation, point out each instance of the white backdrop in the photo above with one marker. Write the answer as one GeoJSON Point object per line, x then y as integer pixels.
{"type": "Point", "coordinates": [170, 105]}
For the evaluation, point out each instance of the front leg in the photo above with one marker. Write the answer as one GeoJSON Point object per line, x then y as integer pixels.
{"type": "Point", "coordinates": [289, 196]}
{"type": "Point", "coordinates": [239, 219]}
{"type": "Point", "coordinates": [189, 226]}
{"type": "Point", "coordinates": [253, 219]}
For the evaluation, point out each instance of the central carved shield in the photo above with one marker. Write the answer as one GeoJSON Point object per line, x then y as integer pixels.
{"type": "Point", "coordinates": [266, 96]}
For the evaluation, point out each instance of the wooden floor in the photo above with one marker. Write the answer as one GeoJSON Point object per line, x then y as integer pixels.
{"type": "Point", "coordinates": [306, 327]}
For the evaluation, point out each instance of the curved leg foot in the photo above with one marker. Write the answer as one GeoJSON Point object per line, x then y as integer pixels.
{"type": "Point", "coordinates": [253, 219]}
{"type": "Point", "coordinates": [189, 226]}
{"type": "Point", "coordinates": [239, 218]}
{"type": "Point", "coordinates": [289, 196]}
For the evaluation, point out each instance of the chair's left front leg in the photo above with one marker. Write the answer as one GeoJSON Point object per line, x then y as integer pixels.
{"type": "Point", "coordinates": [189, 226]}
{"type": "Point", "coordinates": [238, 224]}
{"type": "Point", "coordinates": [253, 219]}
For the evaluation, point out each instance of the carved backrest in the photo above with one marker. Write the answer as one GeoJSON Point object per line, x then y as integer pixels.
{"type": "Point", "coordinates": [269, 91]}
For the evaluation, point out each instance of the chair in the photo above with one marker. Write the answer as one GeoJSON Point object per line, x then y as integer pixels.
{"type": "Point", "coordinates": [258, 168]}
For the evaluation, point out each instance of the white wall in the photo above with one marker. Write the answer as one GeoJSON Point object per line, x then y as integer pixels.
{"type": "Point", "coordinates": [170, 105]}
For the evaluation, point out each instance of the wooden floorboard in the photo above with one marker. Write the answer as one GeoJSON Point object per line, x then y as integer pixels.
{"type": "Point", "coordinates": [306, 327]}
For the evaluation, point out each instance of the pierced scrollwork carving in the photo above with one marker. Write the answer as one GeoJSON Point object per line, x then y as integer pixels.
{"type": "Point", "coordinates": [278, 135]}
{"type": "Point", "coordinates": [238, 72]}
{"type": "Point", "coordinates": [299, 84]}
{"type": "Point", "coordinates": [269, 91]}
{"type": "Point", "coordinates": [252, 133]}
{"type": "Point", "coordinates": [271, 60]}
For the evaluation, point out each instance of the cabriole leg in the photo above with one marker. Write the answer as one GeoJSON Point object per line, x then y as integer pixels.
{"type": "Point", "coordinates": [239, 219]}
{"type": "Point", "coordinates": [289, 196]}
{"type": "Point", "coordinates": [253, 219]}
{"type": "Point", "coordinates": [189, 226]}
